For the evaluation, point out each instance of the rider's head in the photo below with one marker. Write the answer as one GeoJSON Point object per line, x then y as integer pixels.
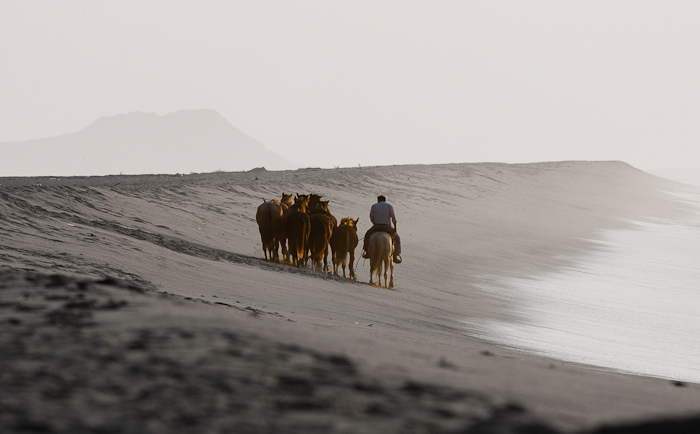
{"type": "Point", "coordinates": [381, 198]}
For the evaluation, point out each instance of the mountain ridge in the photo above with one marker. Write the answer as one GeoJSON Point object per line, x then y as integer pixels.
{"type": "Point", "coordinates": [186, 141]}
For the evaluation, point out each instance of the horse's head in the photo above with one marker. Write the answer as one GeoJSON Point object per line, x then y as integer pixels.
{"type": "Point", "coordinates": [299, 204]}
{"type": "Point", "coordinates": [347, 221]}
{"type": "Point", "coordinates": [314, 200]}
{"type": "Point", "coordinates": [302, 198]}
{"type": "Point", "coordinates": [286, 199]}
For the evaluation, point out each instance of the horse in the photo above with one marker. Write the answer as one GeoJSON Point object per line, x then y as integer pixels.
{"type": "Point", "coordinates": [318, 231]}
{"type": "Point", "coordinates": [286, 201]}
{"type": "Point", "coordinates": [297, 226]}
{"type": "Point", "coordinates": [270, 218]}
{"type": "Point", "coordinates": [381, 252]}
{"type": "Point", "coordinates": [343, 242]}
{"type": "Point", "coordinates": [314, 200]}
{"type": "Point", "coordinates": [322, 208]}
{"type": "Point", "coordinates": [319, 239]}
{"type": "Point", "coordinates": [301, 199]}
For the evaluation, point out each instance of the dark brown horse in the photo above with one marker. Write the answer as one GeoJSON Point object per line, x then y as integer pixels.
{"type": "Point", "coordinates": [344, 242]}
{"type": "Point", "coordinates": [314, 200]}
{"type": "Point", "coordinates": [286, 203]}
{"type": "Point", "coordinates": [297, 226]}
{"type": "Point", "coordinates": [270, 220]}
{"type": "Point", "coordinates": [319, 239]}
{"type": "Point", "coordinates": [322, 208]}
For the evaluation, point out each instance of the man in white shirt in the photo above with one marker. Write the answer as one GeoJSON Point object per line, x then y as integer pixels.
{"type": "Point", "coordinates": [382, 216]}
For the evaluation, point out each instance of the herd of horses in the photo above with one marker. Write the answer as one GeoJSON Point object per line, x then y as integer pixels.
{"type": "Point", "coordinates": [305, 229]}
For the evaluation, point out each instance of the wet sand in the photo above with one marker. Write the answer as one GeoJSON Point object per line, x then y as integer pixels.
{"type": "Point", "coordinates": [143, 304]}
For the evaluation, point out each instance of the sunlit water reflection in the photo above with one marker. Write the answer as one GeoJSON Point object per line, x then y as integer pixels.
{"type": "Point", "coordinates": [632, 304]}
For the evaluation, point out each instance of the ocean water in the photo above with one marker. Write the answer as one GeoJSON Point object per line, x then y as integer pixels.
{"type": "Point", "coordinates": [631, 304]}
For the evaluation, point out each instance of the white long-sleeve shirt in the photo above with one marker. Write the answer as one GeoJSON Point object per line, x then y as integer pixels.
{"type": "Point", "coordinates": [382, 213]}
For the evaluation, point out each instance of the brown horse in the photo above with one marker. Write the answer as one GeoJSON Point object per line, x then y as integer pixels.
{"type": "Point", "coordinates": [286, 201]}
{"type": "Point", "coordinates": [314, 200]}
{"type": "Point", "coordinates": [344, 242]}
{"type": "Point", "coordinates": [297, 226]}
{"type": "Point", "coordinates": [381, 252]}
{"type": "Point", "coordinates": [322, 208]}
{"type": "Point", "coordinates": [301, 199]}
{"type": "Point", "coordinates": [319, 239]}
{"type": "Point", "coordinates": [270, 218]}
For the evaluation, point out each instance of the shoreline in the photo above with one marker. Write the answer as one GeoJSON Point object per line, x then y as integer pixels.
{"type": "Point", "coordinates": [646, 271]}
{"type": "Point", "coordinates": [457, 222]}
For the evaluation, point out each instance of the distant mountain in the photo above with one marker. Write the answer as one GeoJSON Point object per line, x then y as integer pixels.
{"type": "Point", "coordinates": [142, 143]}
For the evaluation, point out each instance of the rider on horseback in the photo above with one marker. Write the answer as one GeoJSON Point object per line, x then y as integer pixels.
{"type": "Point", "coordinates": [382, 215]}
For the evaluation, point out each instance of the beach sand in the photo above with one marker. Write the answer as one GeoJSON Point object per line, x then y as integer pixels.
{"type": "Point", "coordinates": [144, 304]}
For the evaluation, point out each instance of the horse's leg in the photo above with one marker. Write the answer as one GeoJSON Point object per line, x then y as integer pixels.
{"type": "Point", "coordinates": [306, 255]}
{"type": "Point", "coordinates": [285, 251]}
{"type": "Point", "coordinates": [289, 249]}
{"type": "Point", "coordinates": [345, 263]}
{"type": "Point", "coordinates": [301, 254]}
{"type": "Point", "coordinates": [286, 243]}
{"type": "Point", "coordinates": [351, 266]}
{"type": "Point", "coordinates": [292, 251]}
{"type": "Point", "coordinates": [275, 252]}
{"type": "Point", "coordinates": [391, 267]}
{"type": "Point", "coordinates": [297, 257]}
{"type": "Point", "coordinates": [386, 273]}
{"type": "Point", "coordinates": [334, 261]}
{"type": "Point", "coordinates": [283, 258]}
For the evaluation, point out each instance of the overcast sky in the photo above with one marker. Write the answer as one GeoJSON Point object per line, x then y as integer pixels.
{"type": "Point", "coordinates": [329, 83]}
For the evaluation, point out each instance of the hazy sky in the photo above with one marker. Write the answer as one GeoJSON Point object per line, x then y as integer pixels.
{"type": "Point", "coordinates": [329, 83]}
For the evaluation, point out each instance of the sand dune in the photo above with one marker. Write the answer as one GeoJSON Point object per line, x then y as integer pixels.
{"type": "Point", "coordinates": [154, 311]}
